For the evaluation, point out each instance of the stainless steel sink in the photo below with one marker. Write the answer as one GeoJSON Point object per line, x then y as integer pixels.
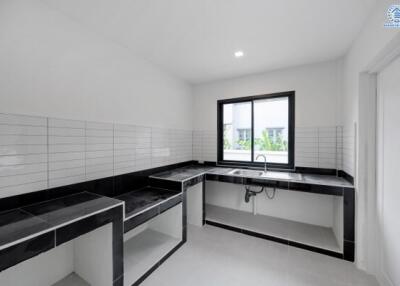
{"type": "Point", "coordinates": [287, 176]}
{"type": "Point", "coordinates": [247, 173]}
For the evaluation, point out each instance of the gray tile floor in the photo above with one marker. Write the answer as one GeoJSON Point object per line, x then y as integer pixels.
{"type": "Point", "coordinates": [72, 279]}
{"type": "Point", "coordinates": [213, 256]}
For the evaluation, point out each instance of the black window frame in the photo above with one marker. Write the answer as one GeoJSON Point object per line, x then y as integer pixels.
{"type": "Point", "coordinates": [291, 138]}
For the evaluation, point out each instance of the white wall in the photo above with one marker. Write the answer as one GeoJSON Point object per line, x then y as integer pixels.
{"type": "Point", "coordinates": [53, 66]}
{"type": "Point", "coordinates": [296, 206]}
{"type": "Point", "coordinates": [318, 96]}
{"type": "Point", "coordinates": [367, 48]}
{"type": "Point", "coordinates": [44, 269]}
{"type": "Point", "coordinates": [317, 86]}
{"type": "Point", "coordinates": [388, 157]}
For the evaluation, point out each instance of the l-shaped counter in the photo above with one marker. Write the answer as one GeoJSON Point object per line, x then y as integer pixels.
{"type": "Point", "coordinates": [138, 217]}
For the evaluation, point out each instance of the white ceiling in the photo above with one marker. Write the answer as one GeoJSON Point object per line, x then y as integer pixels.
{"type": "Point", "coordinates": [196, 39]}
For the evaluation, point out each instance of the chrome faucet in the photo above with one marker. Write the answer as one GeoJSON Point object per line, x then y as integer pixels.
{"type": "Point", "coordinates": [265, 161]}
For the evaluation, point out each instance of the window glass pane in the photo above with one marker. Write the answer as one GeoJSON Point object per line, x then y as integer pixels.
{"type": "Point", "coordinates": [271, 129]}
{"type": "Point", "coordinates": [237, 132]}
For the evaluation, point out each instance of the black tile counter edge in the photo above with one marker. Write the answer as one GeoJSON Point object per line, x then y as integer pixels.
{"type": "Point", "coordinates": [298, 169]}
{"type": "Point", "coordinates": [291, 186]}
{"type": "Point", "coordinates": [349, 178]}
{"type": "Point", "coordinates": [193, 181]}
{"type": "Point", "coordinates": [110, 186]}
{"type": "Point", "coordinates": [165, 184]}
{"type": "Point", "coordinates": [316, 171]}
{"type": "Point", "coordinates": [348, 251]}
{"type": "Point", "coordinates": [86, 225]}
{"type": "Point", "coordinates": [349, 215]}
{"type": "Point", "coordinates": [18, 253]}
{"type": "Point", "coordinates": [158, 264]}
{"type": "Point", "coordinates": [276, 239]}
{"type": "Point", "coordinates": [119, 281]}
{"type": "Point", "coordinates": [147, 215]}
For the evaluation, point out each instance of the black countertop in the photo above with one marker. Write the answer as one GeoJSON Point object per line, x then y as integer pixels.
{"type": "Point", "coordinates": [26, 222]}
{"type": "Point", "coordinates": [190, 172]}
{"type": "Point", "coordinates": [139, 200]}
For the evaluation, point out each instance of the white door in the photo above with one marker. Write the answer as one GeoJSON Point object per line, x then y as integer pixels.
{"type": "Point", "coordinates": [389, 169]}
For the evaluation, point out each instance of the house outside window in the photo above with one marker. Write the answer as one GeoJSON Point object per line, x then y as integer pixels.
{"type": "Point", "coordinates": [244, 134]}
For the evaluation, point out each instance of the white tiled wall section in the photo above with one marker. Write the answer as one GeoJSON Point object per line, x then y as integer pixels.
{"type": "Point", "coordinates": [38, 153]}
{"type": "Point", "coordinates": [170, 146]}
{"type": "Point", "coordinates": [143, 148]}
{"type": "Point", "coordinates": [124, 149]}
{"type": "Point", "coordinates": [23, 154]}
{"type": "Point", "coordinates": [66, 152]}
{"type": "Point", "coordinates": [349, 133]}
{"type": "Point", "coordinates": [318, 147]}
{"type": "Point", "coordinates": [205, 145]}
{"type": "Point", "coordinates": [181, 143]}
{"type": "Point", "coordinates": [99, 155]}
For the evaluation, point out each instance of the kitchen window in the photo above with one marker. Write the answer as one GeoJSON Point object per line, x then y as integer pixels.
{"type": "Point", "coordinates": [257, 125]}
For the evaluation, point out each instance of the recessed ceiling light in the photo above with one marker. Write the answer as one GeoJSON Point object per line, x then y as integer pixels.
{"type": "Point", "coordinates": [239, 54]}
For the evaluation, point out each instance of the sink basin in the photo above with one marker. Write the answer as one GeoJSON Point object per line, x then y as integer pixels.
{"type": "Point", "coordinates": [247, 173]}
{"type": "Point", "coordinates": [268, 175]}
{"type": "Point", "coordinates": [283, 176]}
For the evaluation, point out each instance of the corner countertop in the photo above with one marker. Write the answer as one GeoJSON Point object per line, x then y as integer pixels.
{"type": "Point", "coordinates": [20, 224]}
{"type": "Point", "coordinates": [187, 173]}
{"type": "Point", "coordinates": [140, 200]}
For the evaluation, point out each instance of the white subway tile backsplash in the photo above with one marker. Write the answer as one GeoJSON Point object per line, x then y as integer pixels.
{"type": "Point", "coordinates": [318, 147]}
{"type": "Point", "coordinates": [60, 151]}
{"type": "Point", "coordinates": [348, 160]}
{"type": "Point", "coordinates": [64, 124]}
{"type": "Point", "coordinates": [37, 153]}
{"type": "Point", "coordinates": [22, 130]}
{"type": "Point", "coordinates": [94, 175]}
{"type": "Point", "coordinates": [23, 140]}
{"type": "Point", "coordinates": [99, 161]}
{"type": "Point", "coordinates": [66, 148]}
{"type": "Point", "coordinates": [99, 154]}
{"type": "Point", "coordinates": [101, 127]}
{"type": "Point", "coordinates": [66, 151]}
{"type": "Point", "coordinates": [66, 173]}
{"type": "Point", "coordinates": [13, 170]}
{"type": "Point", "coordinates": [15, 119]}
{"type": "Point", "coordinates": [105, 169]}
{"type": "Point", "coordinates": [7, 181]}
{"type": "Point", "coordinates": [23, 188]}
{"type": "Point", "coordinates": [97, 133]}
{"type": "Point", "coordinates": [56, 182]}
{"type": "Point", "coordinates": [22, 159]}
{"type": "Point", "coordinates": [22, 149]}
{"type": "Point", "coordinates": [99, 140]}
{"type": "Point", "coordinates": [65, 131]}
{"type": "Point", "coordinates": [23, 153]}
{"type": "Point", "coordinates": [59, 165]}
{"type": "Point", "coordinates": [66, 140]}
{"type": "Point", "coordinates": [55, 157]}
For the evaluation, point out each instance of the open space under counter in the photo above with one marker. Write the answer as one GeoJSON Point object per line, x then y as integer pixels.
{"type": "Point", "coordinates": [310, 211]}
{"type": "Point", "coordinates": [154, 229]}
{"type": "Point", "coordinates": [307, 220]}
{"type": "Point", "coordinates": [277, 229]}
{"type": "Point", "coordinates": [72, 240]}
